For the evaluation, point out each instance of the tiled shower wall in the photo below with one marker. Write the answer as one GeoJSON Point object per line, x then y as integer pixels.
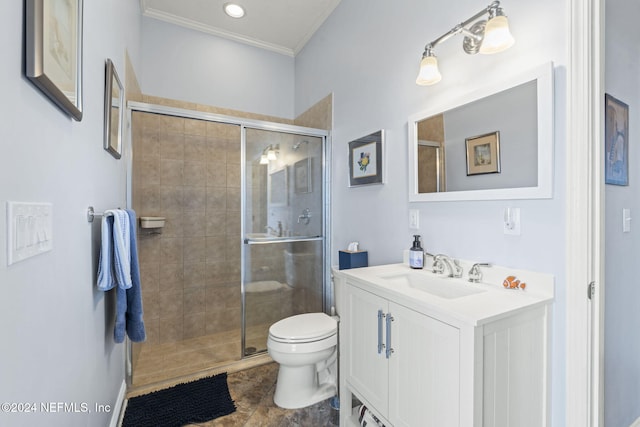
{"type": "Point", "coordinates": [188, 171]}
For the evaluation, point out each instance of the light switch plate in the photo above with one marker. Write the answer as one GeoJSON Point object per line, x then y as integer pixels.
{"type": "Point", "coordinates": [29, 230]}
{"type": "Point", "coordinates": [626, 220]}
{"type": "Point", "coordinates": [414, 219]}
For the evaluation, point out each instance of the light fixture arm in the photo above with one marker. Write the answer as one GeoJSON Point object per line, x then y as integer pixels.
{"type": "Point", "coordinates": [487, 36]}
{"type": "Point", "coordinates": [491, 10]}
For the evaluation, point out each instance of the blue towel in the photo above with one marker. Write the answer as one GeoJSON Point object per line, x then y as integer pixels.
{"type": "Point", "coordinates": [134, 313]}
{"type": "Point", "coordinates": [118, 268]}
{"type": "Point", "coordinates": [114, 267]}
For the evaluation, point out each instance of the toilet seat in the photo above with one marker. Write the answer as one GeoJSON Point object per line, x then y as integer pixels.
{"type": "Point", "coordinates": [302, 328]}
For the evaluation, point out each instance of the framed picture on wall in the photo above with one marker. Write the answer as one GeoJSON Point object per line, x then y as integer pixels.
{"type": "Point", "coordinates": [113, 111]}
{"type": "Point", "coordinates": [302, 175]}
{"type": "Point", "coordinates": [616, 130]}
{"type": "Point", "coordinates": [483, 154]}
{"type": "Point", "coordinates": [53, 51]}
{"type": "Point", "coordinates": [366, 161]}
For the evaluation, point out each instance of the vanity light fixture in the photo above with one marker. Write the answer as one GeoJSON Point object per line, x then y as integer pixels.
{"type": "Point", "coordinates": [234, 10]}
{"type": "Point", "coordinates": [270, 153]}
{"type": "Point", "coordinates": [484, 36]}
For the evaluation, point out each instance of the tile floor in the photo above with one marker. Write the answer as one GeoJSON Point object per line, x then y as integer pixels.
{"type": "Point", "coordinates": [252, 391]}
{"type": "Point", "coordinates": [158, 363]}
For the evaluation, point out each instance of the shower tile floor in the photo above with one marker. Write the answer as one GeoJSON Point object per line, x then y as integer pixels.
{"type": "Point", "coordinates": [158, 363]}
{"type": "Point", "coordinates": [252, 391]}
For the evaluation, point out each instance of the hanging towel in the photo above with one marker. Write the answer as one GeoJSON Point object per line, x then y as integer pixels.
{"type": "Point", "coordinates": [118, 268]}
{"type": "Point", "coordinates": [134, 313]}
{"type": "Point", "coordinates": [114, 266]}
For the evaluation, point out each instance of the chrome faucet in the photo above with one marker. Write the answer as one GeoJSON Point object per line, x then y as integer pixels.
{"type": "Point", "coordinates": [453, 266]}
{"type": "Point", "coordinates": [475, 275]}
{"type": "Point", "coordinates": [273, 231]}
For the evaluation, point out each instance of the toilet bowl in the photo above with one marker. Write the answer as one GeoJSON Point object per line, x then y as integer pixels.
{"type": "Point", "coordinates": [305, 347]}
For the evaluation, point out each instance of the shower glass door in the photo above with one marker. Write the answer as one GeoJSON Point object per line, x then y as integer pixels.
{"type": "Point", "coordinates": [283, 230]}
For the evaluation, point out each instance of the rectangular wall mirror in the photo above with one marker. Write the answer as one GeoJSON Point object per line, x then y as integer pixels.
{"type": "Point", "coordinates": [496, 143]}
{"type": "Point", "coordinates": [113, 111]}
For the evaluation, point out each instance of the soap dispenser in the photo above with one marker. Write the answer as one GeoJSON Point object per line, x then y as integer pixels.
{"type": "Point", "coordinates": [416, 254]}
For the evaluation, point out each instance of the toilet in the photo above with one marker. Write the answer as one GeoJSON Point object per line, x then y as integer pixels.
{"type": "Point", "coordinates": [305, 347]}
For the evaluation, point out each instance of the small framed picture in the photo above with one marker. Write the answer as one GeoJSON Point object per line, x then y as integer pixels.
{"type": "Point", "coordinates": [366, 160]}
{"type": "Point", "coordinates": [302, 175]}
{"type": "Point", "coordinates": [113, 111]}
{"type": "Point", "coordinates": [53, 51]}
{"type": "Point", "coordinates": [483, 154]}
{"type": "Point", "coordinates": [616, 130]}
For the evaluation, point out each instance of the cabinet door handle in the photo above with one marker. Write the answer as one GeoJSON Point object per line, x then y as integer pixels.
{"type": "Point", "coordinates": [388, 340]}
{"type": "Point", "coordinates": [380, 344]}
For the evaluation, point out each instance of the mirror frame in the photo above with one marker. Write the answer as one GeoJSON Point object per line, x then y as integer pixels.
{"type": "Point", "coordinates": [544, 190]}
{"type": "Point", "coordinates": [113, 143]}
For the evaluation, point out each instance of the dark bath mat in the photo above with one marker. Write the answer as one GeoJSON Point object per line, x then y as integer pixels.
{"type": "Point", "coordinates": [197, 401]}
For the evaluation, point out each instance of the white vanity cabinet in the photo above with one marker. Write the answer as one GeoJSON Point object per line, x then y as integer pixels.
{"type": "Point", "coordinates": [419, 361]}
{"type": "Point", "coordinates": [396, 354]}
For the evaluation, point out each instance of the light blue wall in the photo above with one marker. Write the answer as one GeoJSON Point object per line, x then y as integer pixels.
{"type": "Point", "coordinates": [57, 341]}
{"type": "Point", "coordinates": [367, 55]}
{"type": "Point", "coordinates": [188, 65]}
{"type": "Point", "coordinates": [622, 250]}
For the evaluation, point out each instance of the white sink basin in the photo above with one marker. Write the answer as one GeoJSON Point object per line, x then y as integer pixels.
{"type": "Point", "coordinates": [441, 287]}
{"type": "Point", "coordinates": [258, 236]}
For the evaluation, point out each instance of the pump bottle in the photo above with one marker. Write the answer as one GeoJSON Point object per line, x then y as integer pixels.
{"type": "Point", "coordinates": [416, 253]}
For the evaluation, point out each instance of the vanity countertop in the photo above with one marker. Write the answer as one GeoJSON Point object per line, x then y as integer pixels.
{"type": "Point", "coordinates": [490, 300]}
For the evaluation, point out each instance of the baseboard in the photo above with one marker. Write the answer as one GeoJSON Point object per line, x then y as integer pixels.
{"type": "Point", "coordinates": [117, 412]}
{"type": "Point", "coordinates": [636, 423]}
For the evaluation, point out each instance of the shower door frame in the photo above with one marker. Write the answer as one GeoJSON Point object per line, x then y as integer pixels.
{"type": "Point", "coordinates": [327, 290]}
{"type": "Point", "coordinates": [244, 123]}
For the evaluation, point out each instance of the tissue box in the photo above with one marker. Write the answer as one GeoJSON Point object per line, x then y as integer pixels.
{"type": "Point", "coordinates": [348, 259]}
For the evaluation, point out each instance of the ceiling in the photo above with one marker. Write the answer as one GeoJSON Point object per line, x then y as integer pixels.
{"type": "Point", "coordinates": [282, 26]}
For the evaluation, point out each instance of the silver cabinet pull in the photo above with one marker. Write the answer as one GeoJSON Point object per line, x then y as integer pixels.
{"type": "Point", "coordinates": [380, 344]}
{"type": "Point", "coordinates": [388, 340]}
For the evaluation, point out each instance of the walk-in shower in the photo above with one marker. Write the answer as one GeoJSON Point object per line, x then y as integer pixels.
{"type": "Point", "coordinates": [245, 238]}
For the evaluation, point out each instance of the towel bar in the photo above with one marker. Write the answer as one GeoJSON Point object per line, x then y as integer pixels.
{"type": "Point", "coordinates": [91, 214]}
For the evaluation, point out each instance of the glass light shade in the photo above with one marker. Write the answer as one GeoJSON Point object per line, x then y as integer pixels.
{"type": "Point", "coordinates": [264, 160]}
{"type": "Point", "coordinates": [429, 73]}
{"type": "Point", "coordinates": [233, 10]}
{"type": "Point", "coordinates": [271, 155]}
{"type": "Point", "coordinates": [497, 36]}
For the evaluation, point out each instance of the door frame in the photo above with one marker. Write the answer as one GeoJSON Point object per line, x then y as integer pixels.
{"type": "Point", "coordinates": [584, 215]}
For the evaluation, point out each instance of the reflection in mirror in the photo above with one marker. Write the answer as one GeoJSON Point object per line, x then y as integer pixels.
{"type": "Point", "coordinates": [277, 187]}
{"type": "Point", "coordinates": [284, 193]}
{"type": "Point", "coordinates": [510, 125]}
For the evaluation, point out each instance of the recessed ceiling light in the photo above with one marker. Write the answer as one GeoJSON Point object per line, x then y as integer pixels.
{"type": "Point", "coordinates": [233, 10]}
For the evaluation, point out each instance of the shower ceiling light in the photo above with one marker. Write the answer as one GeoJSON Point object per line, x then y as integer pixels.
{"type": "Point", "coordinates": [233, 10]}
{"type": "Point", "coordinates": [482, 36]}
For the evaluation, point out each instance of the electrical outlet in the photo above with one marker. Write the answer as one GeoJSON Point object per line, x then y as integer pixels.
{"type": "Point", "coordinates": [511, 220]}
